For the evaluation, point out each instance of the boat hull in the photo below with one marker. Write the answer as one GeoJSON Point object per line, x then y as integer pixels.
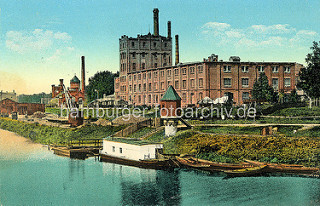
{"type": "Point", "coordinates": [148, 164]}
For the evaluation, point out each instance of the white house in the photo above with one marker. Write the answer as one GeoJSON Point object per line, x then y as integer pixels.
{"type": "Point", "coordinates": [130, 149]}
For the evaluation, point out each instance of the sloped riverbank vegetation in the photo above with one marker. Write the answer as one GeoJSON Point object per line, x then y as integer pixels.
{"type": "Point", "coordinates": [54, 135]}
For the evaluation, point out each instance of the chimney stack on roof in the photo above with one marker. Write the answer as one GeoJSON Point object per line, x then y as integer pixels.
{"type": "Point", "coordinates": [83, 73]}
{"type": "Point", "coordinates": [61, 82]}
{"type": "Point", "coordinates": [169, 29]}
{"type": "Point", "coordinates": [177, 49]}
{"type": "Point", "coordinates": [156, 22]}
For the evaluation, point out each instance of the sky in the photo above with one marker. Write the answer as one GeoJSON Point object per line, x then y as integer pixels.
{"type": "Point", "coordinates": [42, 41]}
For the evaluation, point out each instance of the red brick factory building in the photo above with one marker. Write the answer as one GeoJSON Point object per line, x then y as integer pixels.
{"type": "Point", "coordinates": [7, 106]}
{"type": "Point", "coordinates": [146, 71]}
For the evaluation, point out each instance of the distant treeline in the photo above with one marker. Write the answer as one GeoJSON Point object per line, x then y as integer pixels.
{"type": "Point", "coordinates": [32, 98]}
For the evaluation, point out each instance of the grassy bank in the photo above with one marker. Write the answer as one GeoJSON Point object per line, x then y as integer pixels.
{"type": "Point", "coordinates": [235, 148]}
{"type": "Point", "coordinates": [54, 135]}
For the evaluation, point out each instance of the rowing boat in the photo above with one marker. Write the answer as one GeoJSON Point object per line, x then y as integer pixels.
{"type": "Point", "coordinates": [252, 171]}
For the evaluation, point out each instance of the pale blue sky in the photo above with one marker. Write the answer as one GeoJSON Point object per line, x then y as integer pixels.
{"type": "Point", "coordinates": [42, 41]}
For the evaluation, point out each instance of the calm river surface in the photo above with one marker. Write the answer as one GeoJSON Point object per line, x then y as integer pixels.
{"type": "Point", "coordinates": [37, 177]}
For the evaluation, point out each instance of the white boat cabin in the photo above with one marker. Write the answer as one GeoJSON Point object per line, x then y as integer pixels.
{"type": "Point", "coordinates": [130, 149]}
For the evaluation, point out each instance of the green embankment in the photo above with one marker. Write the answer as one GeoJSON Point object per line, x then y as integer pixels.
{"type": "Point", "coordinates": [235, 148]}
{"type": "Point", "coordinates": [54, 135]}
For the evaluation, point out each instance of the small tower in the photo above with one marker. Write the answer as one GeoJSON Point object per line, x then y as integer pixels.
{"type": "Point", "coordinates": [75, 83]}
{"type": "Point", "coordinates": [170, 111]}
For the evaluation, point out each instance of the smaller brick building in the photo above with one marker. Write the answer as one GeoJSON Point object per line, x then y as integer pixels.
{"type": "Point", "coordinates": [7, 106]}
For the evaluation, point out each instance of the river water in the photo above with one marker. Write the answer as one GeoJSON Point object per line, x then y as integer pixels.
{"type": "Point", "coordinates": [35, 176]}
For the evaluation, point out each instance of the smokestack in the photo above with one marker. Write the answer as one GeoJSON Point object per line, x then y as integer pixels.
{"type": "Point", "coordinates": [177, 49]}
{"type": "Point", "coordinates": [61, 82]}
{"type": "Point", "coordinates": [156, 22]}
{"type": "Point", "coordinates": [169, 29]}
{"type": "Point", "coordinates": [83, 77]}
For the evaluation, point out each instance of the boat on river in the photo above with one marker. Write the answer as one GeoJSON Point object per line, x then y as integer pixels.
{"type": "Point", "coordinates": [286, 168]}
{"type": "Point", "coordinates": [246, 172]}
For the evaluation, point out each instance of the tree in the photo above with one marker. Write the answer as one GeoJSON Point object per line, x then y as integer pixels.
{"type": "Point", "coordinates": [294, 97]}
{"type": "Point", "coordinates": [310, 75]}
{"type": "Point", "coordinates": [101, 83]}
{"type": "Point", "coordinates": [262, 90]}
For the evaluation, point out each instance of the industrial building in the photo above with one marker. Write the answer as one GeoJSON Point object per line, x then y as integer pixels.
{"type": "Point", "coordinates": [146, 72]}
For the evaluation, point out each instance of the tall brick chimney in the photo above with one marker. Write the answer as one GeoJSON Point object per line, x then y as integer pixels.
{"type": "Point", "coordinates": [177, 49]}
{"type": "Point", "coordinates": [169, 29]}
{"type": "Point", "coordinates": [83, 73]}
{"type": "Point", "coordinates": [156, 22]}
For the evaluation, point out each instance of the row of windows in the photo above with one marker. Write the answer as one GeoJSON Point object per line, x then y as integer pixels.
{"type": "Point", "coordinates": [227, 82]}
{"type": "Point", "coordinates": [143, 44]}
{"type": "Point", "coordinates": [143, 87]}
{"type": "Point", "coordinates": [114, 149]}
{"type": "Point", "coordinates": [245, 69]}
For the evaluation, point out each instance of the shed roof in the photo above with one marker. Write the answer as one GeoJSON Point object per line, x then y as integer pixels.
{"type": "Point", "coordinates": [170, 95]}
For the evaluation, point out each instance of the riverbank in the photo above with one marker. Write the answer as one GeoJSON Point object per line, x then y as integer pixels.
{"type": "Point", "coordinates": [44, 134]}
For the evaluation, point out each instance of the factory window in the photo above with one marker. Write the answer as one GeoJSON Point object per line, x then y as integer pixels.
{"type": "Point", "coordinates": [134, 77]}
{"type": "Point", "coordinates": [192, 83]}
{"type": "Point", "coordinates": [169, 83]}
{"type": "Point", "coordinates": [120, 150]}
{"type": "Point", "coordinates": [168, 73]}
{"type": "Point", "coordinates": [143, 55]}
{"type": "Point", "coordinates": [134, 88]}
{"type": "Point", "coordinates": [227, 69]}
{"type": "Point", "coordinates": [150, 87]}
{"type": "Point", "coordinates": [162, 85]}
{"type": "Point", "coordinates": [143, 65]}
{"type": "Point", "coordinates": [184, 71]}
{"type": "Point", "coordinates": [155, 86]}
{"type": "Point", "coordinates": [132, 44]}
{"type": "Point", "coordinates": [191, 69]}
{"type": "Point", "coordinates": [176, 84]}
{"type": "Point", "coordinates": [134, 55]}
{"type": "Point", "coordinates": [149, 98]}
{"type": "Point", "coordinates": [227, 82]}
{"type": "Point", "coordinates": [184, 84]}
{"type": "Point", "coordinates": [287, 69]}
{"type": "Point", "coordinates": [139, 99]}
{"type": "Point", "coordinates": [162, 73]}
{"type": "Point", "coordinates": [169, 59]}
{"type": "Point", "coordinates": [130, 88]}
{"type": "Point", "coordinates": [113, 148]}
{"type": "Point", "coordinates": [245, 82]}
{"type": "Point", "coordinates": [164, 64]}
{"type": "Point", "coordinates": [144, 87]}
{"type": "Point", "coordinates": [165, 45]}
{"type": "Point", "coordinates": [144, 75]}
{"type": "Point", "coordinates": [287, 82]}
{"type": "Point", "coordinates": [149, 75]}
{"type": "Point", "coordinates": [154, 44]}
{"type": "Point", "coordinates": [129, 77]}
{"type": "Point", "coordinates": [176, 72]}
{"type": "Point", "coordinates": [260, 69]}
{"type": "Point", "coordinates": [275, 83]}
{"type": "Point", "coordinates": [201, 82]}
{"type": "Point", "coordinates": [245, 95]}
{"type": "Point", "coordinates": [133, 66]}
{"type": "Point", "coordinates": [155, 74]}
{"type": "Point", "coordinates": [184, 97]}
{"type": "Point", "coordinates": [156, 98]}
{"type": "Point", "coordinates": [200, 96]}
{"type": "Point", "coordinates": [139, 76]}
{"type": "Point", "coordinates": [143, 44]}
{"type": "Point", "coordinates": [155, 65]}
{"type": "Point", "coordinates": [139, 87]}
{"type": "Point", "coordinates": [200, 69]}
{"type": "Point", "coordinates": [275, 69]}
{"type": "Point", "coordinates": [245, 69]}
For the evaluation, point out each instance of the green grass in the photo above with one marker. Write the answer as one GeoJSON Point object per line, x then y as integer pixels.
{"type": "Point", "coordinates": [54, 135]}
{"type": "Point", "coordinates": [141, 132]}
{"type": "Point", "coordinates": [297, 111]}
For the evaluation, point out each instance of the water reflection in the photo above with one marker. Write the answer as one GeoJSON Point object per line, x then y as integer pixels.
{"type": "Point", "coordinates": [146, 187]}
